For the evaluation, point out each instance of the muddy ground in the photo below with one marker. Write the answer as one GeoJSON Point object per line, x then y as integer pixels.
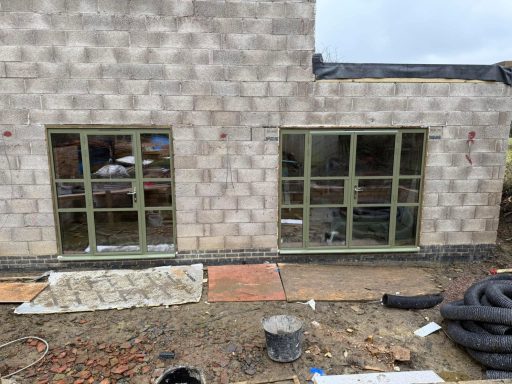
{"type": "Point", "coordinates": [226, 340]}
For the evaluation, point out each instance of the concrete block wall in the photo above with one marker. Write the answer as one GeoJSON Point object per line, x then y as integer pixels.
{"type": "Point", "coordinates": [225, 74]}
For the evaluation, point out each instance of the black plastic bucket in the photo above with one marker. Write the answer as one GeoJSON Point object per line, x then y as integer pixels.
{"type": "Point", "coordinates": [181, 375]}
{"type": "Point", "coordinates": [283, 334]}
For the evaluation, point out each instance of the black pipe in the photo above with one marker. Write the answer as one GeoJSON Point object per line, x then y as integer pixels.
{"type": "Point", "coordinates": [411, 302]}
{"type": "Point", "coordinates": [477, 313]}
{"type": "Point", "coordinates": [493, 374]}
{"type": "Point", "coordinates": [482, 323]}
{"type": "Point", "coordinates": [480, 342]}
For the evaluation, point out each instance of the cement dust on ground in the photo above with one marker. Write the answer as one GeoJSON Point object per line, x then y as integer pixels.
{"type": "Point", "coordinates": [227, 342]}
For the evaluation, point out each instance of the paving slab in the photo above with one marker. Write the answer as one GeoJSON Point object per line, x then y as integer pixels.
{"type": "Point", "coordinates": [249, 282]}
{"type": "Point", "coordinates": [117, 289]}
{"type": "Point", "coordinates": [303, 282]}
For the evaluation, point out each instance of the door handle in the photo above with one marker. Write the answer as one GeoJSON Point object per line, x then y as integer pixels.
{"type": "Point", "coordinates": [358, 189]}
{"type": "Point", "coordinates": [133, 194]}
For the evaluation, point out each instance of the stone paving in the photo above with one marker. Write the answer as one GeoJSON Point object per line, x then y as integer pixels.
{"type": "Point", "coordinates": [117, 289]}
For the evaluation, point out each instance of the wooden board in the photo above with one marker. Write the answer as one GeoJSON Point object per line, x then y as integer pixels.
{"type": "Point", "coordinates": [20, 292]}
{"type": "Point", "coordinates": [303, 282]}
{"type": "Point", "coordinates": [407, 377]}
{"type": "Point", "coordinates": [250, 282]}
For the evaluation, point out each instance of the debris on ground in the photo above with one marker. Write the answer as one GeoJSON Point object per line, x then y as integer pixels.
{"type": "Point", "coordinates": [427, 329]}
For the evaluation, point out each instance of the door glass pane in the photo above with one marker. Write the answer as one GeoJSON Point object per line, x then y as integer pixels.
{"type": "Point", "coordinates": [111, 156]}
{"type": "Point", "coordinates": [117, 231]}
{"type": "Point", "coordinates": [70, 195]}
{"type": "Point", "coordinates": [159, 231]}
{"type": "Point", "coordinates": [370, 226]}
{"type": "Point", "coordinates": [327, 227]}
{"type": "Point", "coordinates": [330, 155]}
{"type": "Point", "coordinates": [406, 222]}
{"type": "Point", "coordinates": [374, 191]}
{"type": "Point", "coordinates": [74, 235]}
{"type": "Point", "coordinates": [327, 191]}
{"type": "Point", "coordinates": [67, 155]}
{"type": "Point", "coordinates": [112, 195]}
{"type": "Point", "coordinates": [411, 153]}
{"type": "Point", "coordinates": [156, 158]}
{"type": "Point", "coordinates": [293, 192]}
{"type": "Point", "coordinates": [375, 154]}
{"type": "Point", "coordinates": [291, 228]}
{"type": "Point", "coordinates": [293, 155]}
{"type": "Point", "coordinates": [409, 191]}
{"type": "Point", "coordinates": [157, 194]}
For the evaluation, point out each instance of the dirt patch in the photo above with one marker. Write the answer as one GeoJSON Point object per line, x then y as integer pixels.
{"type": "Point", "coordinates": [227, 342]}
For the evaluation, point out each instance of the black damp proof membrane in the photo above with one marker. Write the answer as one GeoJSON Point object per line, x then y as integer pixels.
{"type": "Point", "coordinates": [337, 71]}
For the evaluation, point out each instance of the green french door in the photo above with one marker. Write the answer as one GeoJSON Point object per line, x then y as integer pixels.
{"type": "Point", "coordinates": [350, 189]}
{"type": "Point", "coordinates": [113, 191]}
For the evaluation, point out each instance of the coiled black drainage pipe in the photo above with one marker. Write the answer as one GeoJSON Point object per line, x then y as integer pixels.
{"type": "Point", "coordinates": [411, 302]}
{"type": "Point", "coordinates": [482, 323]}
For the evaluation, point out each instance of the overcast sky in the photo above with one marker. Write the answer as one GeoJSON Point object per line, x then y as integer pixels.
{"type": "Point", "coordinates": [415, 31]}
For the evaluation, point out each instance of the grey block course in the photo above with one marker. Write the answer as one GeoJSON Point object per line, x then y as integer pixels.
{"type": "Point", "coordinates": [241, 68]}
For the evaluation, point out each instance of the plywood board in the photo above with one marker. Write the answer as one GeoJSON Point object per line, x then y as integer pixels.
{"type": "Point", "coordinates": [117, 289]}
{"type": "Point", "coordinates": [303, 282]}
{"type": "Point", "coordinates": [19, 292]}
{"type": "Point", "coordinates": [250, 282]}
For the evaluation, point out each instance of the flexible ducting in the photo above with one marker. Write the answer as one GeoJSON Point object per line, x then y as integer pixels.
{"type": "Point", "coordinates": [482, 323]}
{"type": "Point", "coordinates": [411, 302]}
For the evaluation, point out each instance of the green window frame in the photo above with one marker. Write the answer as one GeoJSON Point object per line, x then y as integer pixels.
{"type": "Point", "coordinates": [405, 194]}
{"type": "Point", "coordinates": [134, 205]}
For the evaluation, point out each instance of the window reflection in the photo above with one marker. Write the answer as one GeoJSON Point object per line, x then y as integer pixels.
{"type": "Point", "coordinates": [375, 155]}
{"type": "Point", "coordinates": [411, 154]}
{"type": "Point", "coordinates": [330, 155]}
{"type": "Point", "coordinates": [293, 156]}
{"type": "Point", "coordinates": [156, 159]}
{"type": "Point", "coordinates": [67, 156]}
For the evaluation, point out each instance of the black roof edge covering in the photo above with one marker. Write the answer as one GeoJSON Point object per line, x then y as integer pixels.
{"type": "Point", "coordinates": [332, 71]}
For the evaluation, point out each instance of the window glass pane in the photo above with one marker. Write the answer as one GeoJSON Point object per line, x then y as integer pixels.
{"type": "Point", "coordinates": [412, 153]}
{"type": "Point", "coordinates": [70, 195]}
{"type": "Point", "coordinates": [327, 227]}
{"type": "Point", "coordinates": [370, 226]}
{"type": "Point", "coordinates": [330, 155]}
{"type": "Point", "coordinates": [156, 158]}
{"type": "Point", "coordinates": [157, 194]}
{"type": "Point", "coordinates": [406, 222]}
{"type": "Point", "coordinates": [374, 191]}
{"type": "Point", "coordinates": [409, 191]}
{"type": "Point", "coordinates": [293, 156]}
{"type": "Point", "coordinates": [375, 154]}
{"type": "Point", "coordinates": [327, 191]}
{"type": "Point", "coordinates": [112, 195]}
{"type": "Point", "coordinates": [291, 228]}
{"type": "Point", "coordinates": [117, 231]}
{"type": "Point", "coordinates": [111, 156]}
{"type": "Point", "coordinates": [73, 232]}
{"type": "Point", "coordinates": [67, 155]}
{"type": "Point", "coordinates": [293, 192]}
{"type": "Point", "coordinates": [159, 231]}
